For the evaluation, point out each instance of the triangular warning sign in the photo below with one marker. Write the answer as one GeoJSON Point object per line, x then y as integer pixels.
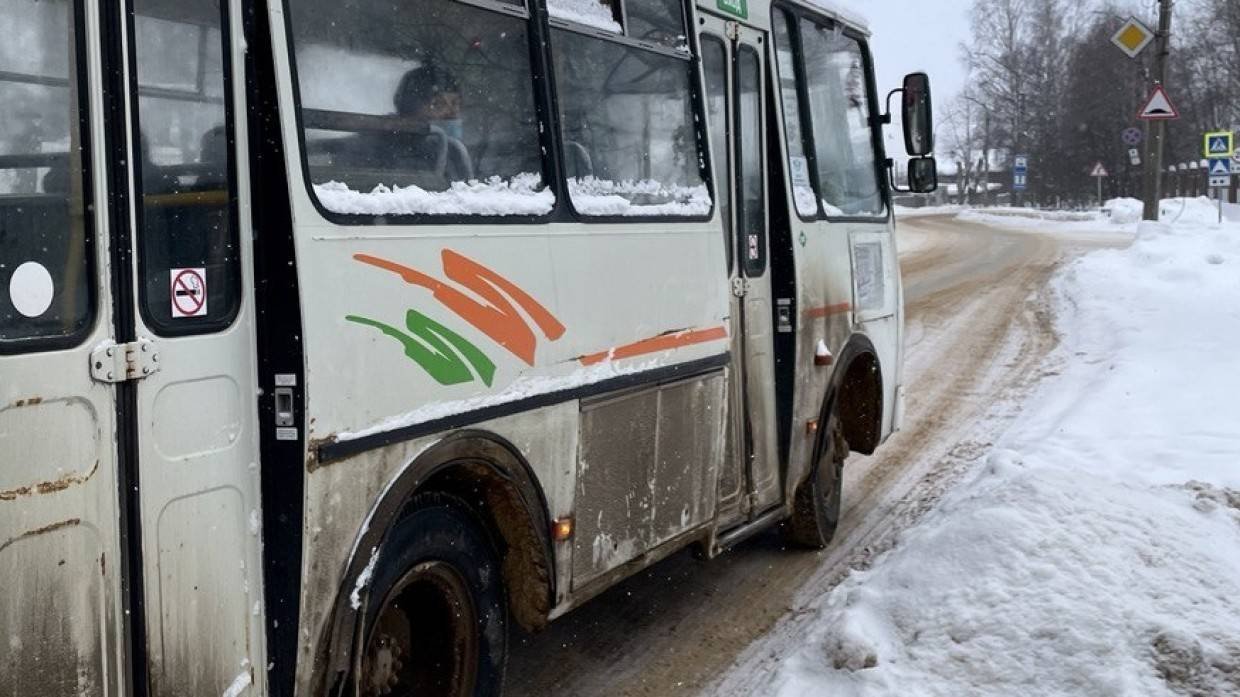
{"type": "Point", "coordinates": [1158, 107]}
{"type": "Point", "coordinates": [1099, 171]}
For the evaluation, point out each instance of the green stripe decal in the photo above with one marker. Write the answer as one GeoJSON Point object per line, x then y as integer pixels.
{"type": "Point", "coordinates": [448, 358]}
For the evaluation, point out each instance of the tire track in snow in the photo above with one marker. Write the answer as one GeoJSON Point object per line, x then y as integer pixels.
{"type": "Point", "coordinates": [977, 334]}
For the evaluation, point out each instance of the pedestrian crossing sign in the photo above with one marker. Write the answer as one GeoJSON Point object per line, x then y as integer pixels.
{"type": "Point", "coordinates": [1220, 144]}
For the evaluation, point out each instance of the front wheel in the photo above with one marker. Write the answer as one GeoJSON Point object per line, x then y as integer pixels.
{"type": "Point", "coordinates": [816, 510]}
{"type": "Point", "coordinates": [437, 623]}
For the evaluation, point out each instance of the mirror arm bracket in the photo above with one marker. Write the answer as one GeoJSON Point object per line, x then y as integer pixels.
{"type": "Point", "coordinates": [891, 177]}
{"type": "Point", "coordinates": [886, 118]}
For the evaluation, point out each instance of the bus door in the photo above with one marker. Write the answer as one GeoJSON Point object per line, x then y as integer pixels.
{"type": "Point", "coordinates": [61, 606]}
{"type": "Point", "coordinates": [128, 484]}
{"type": "Point", "coordinates": [735, 77]}
{"type": "Point", "coordinates": [196, 416]}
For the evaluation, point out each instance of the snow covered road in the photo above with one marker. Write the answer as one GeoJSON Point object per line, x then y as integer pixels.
{"type": "Point", "coordinates": [978, 330]}
{"type": "Point", "coordinates": [1094, 548]}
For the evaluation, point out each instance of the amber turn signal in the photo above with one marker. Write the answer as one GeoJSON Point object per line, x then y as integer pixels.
{"type": "Point", "coordinates": [562, 529]}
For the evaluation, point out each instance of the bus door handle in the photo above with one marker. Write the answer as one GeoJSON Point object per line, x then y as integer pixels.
{"type": "Point", "coordinates": [284, 406]}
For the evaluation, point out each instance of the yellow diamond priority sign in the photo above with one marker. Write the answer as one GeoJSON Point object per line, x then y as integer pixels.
{"type": "Point", "coordinates": [1133, 37]}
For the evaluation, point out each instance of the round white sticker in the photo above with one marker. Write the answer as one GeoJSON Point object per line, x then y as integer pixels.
{"type": "Point", "coordinates": [31, 289]}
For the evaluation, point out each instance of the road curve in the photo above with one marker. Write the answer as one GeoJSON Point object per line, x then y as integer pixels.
{"type": "Point", "coordinates": [975, 333]}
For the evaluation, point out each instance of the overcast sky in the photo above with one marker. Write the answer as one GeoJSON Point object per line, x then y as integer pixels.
{"type": "Point", "coordinates": [912, 35]}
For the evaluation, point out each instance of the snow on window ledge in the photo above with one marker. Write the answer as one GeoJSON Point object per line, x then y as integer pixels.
{"type": "Point", "coordinates": [524, 194]}
{"type": "Point", "coordinates": [806, 200]}
{"type": "Point", "coordinates": [837, 212]}
{"type": "Point", "coordinates": [591, 13]}
{"type": "Point", "coordinates": [603, 197]}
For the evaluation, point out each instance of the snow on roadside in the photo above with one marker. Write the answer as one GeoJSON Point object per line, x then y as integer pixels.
{"type": "Point", "coordinates": [1118, 211]}
{"type": "Point", "coordinates": [908, 212]}
{"type": "Point", "coordinates": [1097, 551]}
{"type": "Point", "coordinates": [1031, 218]}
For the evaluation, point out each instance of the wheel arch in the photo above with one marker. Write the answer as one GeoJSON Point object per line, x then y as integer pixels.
{"type": "Point", "coordinates": [487, 471]}
{"type": "Point", "coordinates": [856, 391]}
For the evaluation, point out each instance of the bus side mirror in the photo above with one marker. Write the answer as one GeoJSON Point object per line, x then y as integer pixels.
{"type": "Point", "coordinates": [923, 175]}
{"type": "Point", "coordinates": [917, 116]}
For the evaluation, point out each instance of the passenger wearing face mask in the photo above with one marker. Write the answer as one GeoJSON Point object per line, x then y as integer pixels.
{"type": "Point", "coordinates": [423, 146]}
{"type": "Point", "coordinates": [431, 136]}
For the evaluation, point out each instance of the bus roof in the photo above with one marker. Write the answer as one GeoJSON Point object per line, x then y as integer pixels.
{"type": "Point", "coordinates": [759, 11]}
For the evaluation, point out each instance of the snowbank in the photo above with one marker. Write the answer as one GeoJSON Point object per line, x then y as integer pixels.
{"type": "Point", "coordinates": [1118, 211]}
{"type": "Point", "coordinates": [1198, 211]}
{"type": "Point", "coordinates": [1035, 219]}
{"type": "Point", "coordinates": [906, 212]}
{"type": "Point", "coordinates": [524, 194]}
{"type": "Point", "coordinates": [1098, 550]}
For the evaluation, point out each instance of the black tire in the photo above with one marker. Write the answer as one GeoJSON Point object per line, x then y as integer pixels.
{"type": "Point", "coordinates": [437, 617]}
{"type": "Point", "coordinates": [816, 509]}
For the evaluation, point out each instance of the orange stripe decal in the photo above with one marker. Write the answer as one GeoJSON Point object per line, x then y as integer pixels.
{"type": "Point", "coordinates": [497, 317]}
{"type": "Point", "coordinates": [827, 310]}
{"type": "Point", "coordinates": [654, 344]}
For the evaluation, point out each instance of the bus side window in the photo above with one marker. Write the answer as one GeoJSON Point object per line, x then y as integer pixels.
{"type": "Point", "coordinates": [399, 109]}
{"type": "Point", "coordinates": [715, 67]}
{"type": "Point", "coordinates": [632, 110]}
{"type": "Point", "coordinates": [185, 187]}
{"type": "Point", "coordinates": [751, 205]}
{"type": "Point", "coordinates": [657, 21]}
{"type": "Point", "coordinates": [839, 100]}
{"type": "Point", "coordinates": [798, 164]}
{"type": "Point", "coordinates": [46, 285]}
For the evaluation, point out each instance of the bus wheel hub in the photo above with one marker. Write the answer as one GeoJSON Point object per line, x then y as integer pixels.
{"type": "Point", "coordinates": [384, 665]}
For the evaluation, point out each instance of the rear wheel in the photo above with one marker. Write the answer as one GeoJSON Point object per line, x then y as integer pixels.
{"type": "Point", "coordinates": [437, 620]}
{"type": "Point", "coordinates": [816, 510]}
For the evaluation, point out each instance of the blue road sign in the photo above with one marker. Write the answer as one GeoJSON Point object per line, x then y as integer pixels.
{"type": "Point", "coordinates": [1020, 173]}
{"type": "Point", "coordinates": [1133, 136]}
{"type": "Point", "coordinates": [1219, 144]}
{"type": "Point", "coordinates": [1220, 167]}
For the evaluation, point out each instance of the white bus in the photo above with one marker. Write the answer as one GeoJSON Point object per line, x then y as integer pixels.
{"type": "Point", "coordinates": [338, 338]}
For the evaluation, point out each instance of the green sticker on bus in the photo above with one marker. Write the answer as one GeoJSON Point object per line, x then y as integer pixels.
{"type": "Point", "coordinates": [740, 8]}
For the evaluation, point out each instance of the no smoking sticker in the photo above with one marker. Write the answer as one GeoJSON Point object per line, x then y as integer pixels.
{"type": "Point", "coordinates": [188, 292]}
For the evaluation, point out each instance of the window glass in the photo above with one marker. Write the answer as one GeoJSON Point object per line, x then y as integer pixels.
{"type": "Point", "coordinates": [45, 280]}
{"type": "Point", "coordinates": [426, 110]}
{"type": "Point", "coordinates": [189, 260]}
{"type": "Point", "coordinates": [657, 21]}
{"type": "Point", "coordinates": [798, 165]}
{"type": "Point", "coordinates": [843, 134]}
{"type": "Point", "coordinates": [629, 129]}
{"type": "Point", "coordinates": [600, 14]}
{"type": "Point", "coordinates": [749, 156]}
{"type": "Point", "coordinates": [714, 65]}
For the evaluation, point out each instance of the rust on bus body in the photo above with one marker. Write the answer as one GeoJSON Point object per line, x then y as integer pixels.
{"type": "Point", "coordinates": [48, 487]}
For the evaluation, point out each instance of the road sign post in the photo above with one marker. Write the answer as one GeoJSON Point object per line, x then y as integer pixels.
{"type": "Point", "coordinates": [1219, 169]}
{"type": "Point", "coordinates": [1099, 173]}
{"type": "Point", "coordinates": [1020, 173]}
{"type": "Point", "coordinates": [1154, 149]}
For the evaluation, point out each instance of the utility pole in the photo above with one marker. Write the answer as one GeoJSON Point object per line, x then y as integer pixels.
{"type": "Point", "coordinates": [1158, 130]}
